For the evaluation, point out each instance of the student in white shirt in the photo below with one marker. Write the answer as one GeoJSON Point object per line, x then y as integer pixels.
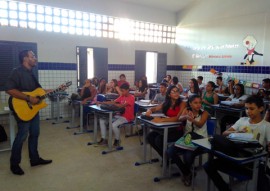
{"type": "Point", "coordinates": [200, 83]}
{"type": "Point", "coordinates": [253, 123]}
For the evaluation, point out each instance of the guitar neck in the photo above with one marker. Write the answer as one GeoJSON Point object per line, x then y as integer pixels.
{"type": "Point", "coordinates": [50, 93]}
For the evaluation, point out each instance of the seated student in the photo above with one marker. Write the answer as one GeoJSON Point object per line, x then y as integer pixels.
{"type": "Point", "coordinates": [200, 83]}
{"type": "Point", "coordinates": [239, 98]}
{"type": "Point", "coordinates": [122, 80]}
{"type": "Point", "coordinates": [113, 87]}
{"type": "Point", "coordinates": [167, 79]}
{"type": "Point", "coordinates": [193, 88]}
{"type": "Point", "coordinates": [265, 92]}
{"type": "Point", "coordinates": [95, 82]}
{"type": "Point", "coordinates": [229, 89]}
{"type": "Point", "coordinates": [209, 97]}
{"type": "Point", "coordinates": [127, 101]}
{"type": "Point", "coordinates": [176, 83]}
{"type": "Point", "coordinates": [88, 93]}
{"type": "Point", "coordinates": [102, 86]}
{"type": "Point", "coordinates": [220, 85]}
{"type": "Point", "coordinates": [142, 91]}
{"type": "Point", "coordinates": [172, 107]}
{"type": "Point", "coordinates": [195, 122]}
{"type": "Point", "coordinates": [253, 123]}
{"type": "Point", "coordinates": [160, 97]}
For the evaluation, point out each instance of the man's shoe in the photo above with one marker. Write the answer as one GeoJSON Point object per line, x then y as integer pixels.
{"type": "Point", "coordinates": [40, 161]}
{"type": "Point", "coordinates": [16, 169]}
{"type": "Point", "coordinates": [116, 143]}
{"type": "Point", "coordinates": [103, 142]}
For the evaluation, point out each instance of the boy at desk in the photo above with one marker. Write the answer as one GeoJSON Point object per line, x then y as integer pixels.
{"type": "Point", "coordinates": [253, 123]}
{"type": "Point", "coordinates": [160, 97]}
{"type": "Point", "coordinates": [265, 91]}
{"type": "Point", "coordinates": [127, 101]}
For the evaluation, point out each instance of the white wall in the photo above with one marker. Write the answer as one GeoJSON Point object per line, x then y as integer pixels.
{"type": "Point", "coordinates": [215, 23]}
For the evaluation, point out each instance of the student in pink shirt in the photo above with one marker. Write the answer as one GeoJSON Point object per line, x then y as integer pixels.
{"type": "Point", "coordinates": [127, 101]}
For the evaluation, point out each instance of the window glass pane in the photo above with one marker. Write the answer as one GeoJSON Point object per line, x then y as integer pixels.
{"type": "Point", "coordinates": [104, 19]}
{"type": "Point", "coordinates": [40, 18]}
{"type": "Point", "coordinates": [164, 28]}
{"type": "Point", "coordinates": [48, 19]}
{"type": "Point", "coordinates": [3, 22]}
{"type": "Point", "coordinates": [78, 31]}
{"type": "Point", "coordinates": [23, 24]}
{"type": "Point", "coordinates": [78, 15]}
{"type": "Point", "coordinates": [13, 15]}
{"type": "Point", "coordinates": [32, 25]}
{"type": "Point", "coordinates": [3, 5]}
{"type": "Point", "coordinates": [85, 24]}
{"type": "Point", "coordinates": [151, 26]}
{"type": "Point", "coordinates": [169, 29]}
{"type": "Point", "coordinates": [71, 14]}
{"type": "Point", "coordinates": [22, 7]}
{"type": "Point", "coordinates": [3, 13]}
{"type": "Point", "coordinates": [13, 5]}
{"type": "Point", "coordinates": [64, 21]}
{"type": "Point", "coordinates": [72, 22]}
{"type": "Point", "coordinates": [22, 15]}
{"type": "Point", "coordinates": [105, 27]}
{"type": "Point", "coordinates": [110, 34]}
{"type": "Point", "coordinates": [78, 23]}
{"type": "Point", "coordinates": [64, 13]}
{"type": "Point", "coordinates": [98, 33]}
{"type": "Point", "coordinates": [64, 29]}
{"type": "Point", "coordinates": [92, 17]}
{"type": "Point", "coordinates": [85, 16]}
{"type": "Point", "coordinates": [92, 25]}
{"type": "Point", "coordinates": [56, 20]}
{"type": "Point", "coordinates": [111, 27]}
{"type": "Point", "coordinates": [86, 32]}
{"type": "Point", "coordinates": [32, 16]}
{"type": "Point", "coordinates": [40, 9]}
{"type": "Point", "coordinates": [71, 30]}
{"type": "Point", "coordinates": [31, 8]}
{"type": "Point", "coordinates": [92, 32]}
{"type": "Point", "coordinates": [48, 10]}
{"type": "Point", "coordinates": [137, 24]}
{"type": "Point", "coordinates": [56, 28]}
{"type": "Point", "coordinates": [98, 18]}
{"type": "Point", "coordinates": [48, 27]}
{"type": "Point", "coordinates": [56, 12]}
{"type": "Point", "coordinates": [13, 23]}
{"type": "Point", "coordinates": [105, 34]}
{"type": "Point", "coordinates": [147, 26]}
{"type": "Point", "coordinates": [111, 20]}
{"type": "Point", "coordinates": [151, 67]}
{"type": "Point", "coordinates": [40, 26]}
{"type": "Point", "coordinates": [98, 25]}
{"type": "Point", "coordinates": [142, 25]}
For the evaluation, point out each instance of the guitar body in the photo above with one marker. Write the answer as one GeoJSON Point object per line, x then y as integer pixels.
{"type": "Point", "coordinates": [25, 111]}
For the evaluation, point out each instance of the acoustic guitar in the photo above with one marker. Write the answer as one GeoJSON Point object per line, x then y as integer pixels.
{"type": "Point", "coordinates": [25, 110]}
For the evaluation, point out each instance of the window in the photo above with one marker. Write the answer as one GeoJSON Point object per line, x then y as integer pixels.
{"type": "Point", "coordinates": [54, 19]}
{"type": "Point", "coordinates": [151, 67]}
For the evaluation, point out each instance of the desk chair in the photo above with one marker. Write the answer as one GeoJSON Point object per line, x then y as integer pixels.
{"type": "Point", "coordinates": [132, 123]}
{"type": "Point", "coordinates": [211, 129]}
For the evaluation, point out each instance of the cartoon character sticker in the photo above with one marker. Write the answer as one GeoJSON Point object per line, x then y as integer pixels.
{"type": "Point", "coordinates": [250, 42]}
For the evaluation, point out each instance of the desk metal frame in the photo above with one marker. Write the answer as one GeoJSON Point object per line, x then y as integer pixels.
{"type": "Point", "coordinates": [11, 128]}
{"type": "Point", "coordinates": [204, 143]}
{"type": "Point", "coordinates": [101, 112]}
{"type": "Point", "coordinates": [163, 126]}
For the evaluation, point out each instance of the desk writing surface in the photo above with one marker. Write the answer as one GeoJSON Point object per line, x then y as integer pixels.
{"type": "Point", "coordinates": [141, 104]}
{"type": "Point", "coordinates": [162, 124]}
{"type": "Point", "coordinates": [204, 143]}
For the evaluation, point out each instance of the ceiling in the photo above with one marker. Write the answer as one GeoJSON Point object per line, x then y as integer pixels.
{"type": "Point", "coordinates": [167, 5]}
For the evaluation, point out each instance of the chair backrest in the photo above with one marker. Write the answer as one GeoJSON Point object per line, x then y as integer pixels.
{"type": "Point", "coordinates": [211, 126]}
{"type": "Point", "coordinates": [101, 98]}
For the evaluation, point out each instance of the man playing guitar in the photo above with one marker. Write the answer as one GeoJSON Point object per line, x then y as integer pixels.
{"type": "Point", "coordinates": [22, 80]}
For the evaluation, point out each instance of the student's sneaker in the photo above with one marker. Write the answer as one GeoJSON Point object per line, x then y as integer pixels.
{"type": "Point", "coordinates": [116, 143]}
{"type": "Point", "coordinates": [103, 142]}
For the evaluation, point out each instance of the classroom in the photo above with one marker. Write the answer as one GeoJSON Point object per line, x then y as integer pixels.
{"type": "Point", "coordinates": [129, 48]}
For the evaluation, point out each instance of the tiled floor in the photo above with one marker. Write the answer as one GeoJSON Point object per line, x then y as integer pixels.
{"type": "Point", "coordinates": [77, 166]}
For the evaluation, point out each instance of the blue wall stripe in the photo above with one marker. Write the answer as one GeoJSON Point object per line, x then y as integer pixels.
{"type": "Point", "coordinates": [131, 67]}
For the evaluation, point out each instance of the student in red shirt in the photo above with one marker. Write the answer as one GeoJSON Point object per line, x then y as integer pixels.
{"type": "Point", "coordinates": [127, 101]}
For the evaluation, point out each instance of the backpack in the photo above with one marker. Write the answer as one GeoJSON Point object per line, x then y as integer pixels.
{"type": "Point", "coordinates": [112, 107]}
{"type": "Point", "coordinates": [3, 134]}
{"type": "Point", "coordinates": [235, 148]}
